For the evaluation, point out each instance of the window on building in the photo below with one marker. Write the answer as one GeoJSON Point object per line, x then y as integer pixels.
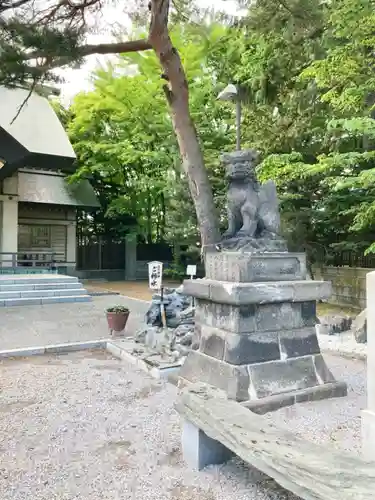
{"type": "Point", "coordinates": [33, 236]}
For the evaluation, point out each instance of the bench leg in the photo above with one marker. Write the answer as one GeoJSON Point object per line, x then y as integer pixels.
{"type": "Point", "coordinates": [199, 450]}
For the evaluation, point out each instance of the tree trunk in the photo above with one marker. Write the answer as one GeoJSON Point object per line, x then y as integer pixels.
{"type": "Point", "coordinates": [162, 218]}
{"type": "Point", "coordinates": [149, 217]}
{"type": "Point", "coordinates": [177, 94]}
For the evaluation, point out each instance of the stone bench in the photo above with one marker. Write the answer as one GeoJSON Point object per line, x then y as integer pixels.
{"type": "Point", "coordinates": [215, 428]}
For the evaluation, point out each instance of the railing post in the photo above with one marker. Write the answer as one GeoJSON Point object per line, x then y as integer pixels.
{"type": "Point", "coordinates": [14, 260]}
{"type": "Point", "coordinates": [53, 263]}
{"type": "Point", "coordinates": [100, 253]}
{"type": "Point", "coordinates": [131, 257]}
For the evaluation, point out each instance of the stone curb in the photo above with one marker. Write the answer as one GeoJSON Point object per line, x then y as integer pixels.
{"type": "Point", "coordinates": [53, 349]}
{"type": "Point", "coordinates": [107, 344]}
{"type": "Point", "coordinates": [155, 372]}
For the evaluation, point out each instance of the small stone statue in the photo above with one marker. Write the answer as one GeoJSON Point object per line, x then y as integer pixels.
{"type": "Point", "coordinates": [253, 209]}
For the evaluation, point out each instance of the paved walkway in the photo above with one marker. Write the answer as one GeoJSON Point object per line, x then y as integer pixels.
{"type": "Point", "coordinates": [31, 326]}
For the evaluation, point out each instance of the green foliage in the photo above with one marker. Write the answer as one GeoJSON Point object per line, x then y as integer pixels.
{"type": "Point", "coordinates": [309, 110]}
{"type": "Point", "coordinates": [123, 136]}
{"type": "Point", "coordinates": [307, 69]}
{"type": "Point", "coordinates": [19, 36]}
{"type": "Point", "coordinates": [117, 310]}
{"type": "Point", "coordinates": [175, 271]}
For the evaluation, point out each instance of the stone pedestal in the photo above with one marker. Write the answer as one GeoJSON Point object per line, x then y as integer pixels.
{"type": "Point", "coordinates": [368, 415]}
{"type": "Point", "coordinates": [199, 450]}
{"type": "Point", "coordinates": [255, 328]}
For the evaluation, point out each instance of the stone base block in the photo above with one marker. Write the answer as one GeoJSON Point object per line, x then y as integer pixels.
{"type": "Point", "coordinates": [250, 318]}
{"type": "Point", "coordinates": [368, 434]}
{"type": "Point", "coordinates": [256, 347]}
{"type": "Point", "coordinates": [238, 294]}
{"type": "Point", "coordinates": [252, 267]}
{"type": "Point", "coordinates": [253, 382]}
{"type": "Point", "coordinates": [199, 450]}
{"type": "Point", "coordinates": [317, 393]}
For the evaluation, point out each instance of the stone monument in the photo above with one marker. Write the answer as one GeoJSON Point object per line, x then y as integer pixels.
{"type": "Point", "coordinates": [255, 310]}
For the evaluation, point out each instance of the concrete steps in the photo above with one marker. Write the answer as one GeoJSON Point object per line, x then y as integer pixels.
{"type": "Point", "coordinates": [40, 289]}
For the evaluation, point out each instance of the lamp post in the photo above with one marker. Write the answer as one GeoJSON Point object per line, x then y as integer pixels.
{"type": "Point", "coordinates": [232, 93]}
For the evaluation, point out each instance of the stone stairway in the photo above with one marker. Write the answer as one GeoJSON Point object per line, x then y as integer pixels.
{"type": "Point", "coordinates": [40, 289]}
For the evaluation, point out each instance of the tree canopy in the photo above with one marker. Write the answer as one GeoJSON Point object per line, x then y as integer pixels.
{"type": "Point", "coordinates": [123, 137]}
{"type": "Point", "coordinates": [307, 68]}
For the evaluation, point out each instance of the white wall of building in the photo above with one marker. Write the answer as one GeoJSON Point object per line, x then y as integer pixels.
{"type": "Point", "coordinates": [8, 220]}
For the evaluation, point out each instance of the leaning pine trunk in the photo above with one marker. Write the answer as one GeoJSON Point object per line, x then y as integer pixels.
{"type": "Point", "coordinates": [177, 93]}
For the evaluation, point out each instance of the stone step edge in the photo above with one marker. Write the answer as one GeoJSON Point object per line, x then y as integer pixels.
{"type": "Point", "coordinates": [70, 292]}
{"type": "Point", "coordinates": [35, 301]}
{"type": "Point", "coordinates": [38, 281]}
{"type": "Point", "coordinates": [23, 287]}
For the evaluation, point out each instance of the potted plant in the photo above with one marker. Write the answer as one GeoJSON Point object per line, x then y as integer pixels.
{"type": "Point", "coordinates": [117, 316]}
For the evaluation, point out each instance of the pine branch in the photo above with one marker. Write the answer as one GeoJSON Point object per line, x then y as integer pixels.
{"type": "Point", "coordinates": [87, 50]}
{"type": "Point", "coordinates": [6, 5]}
{"type": "Point", "coordinates": [24, 102]}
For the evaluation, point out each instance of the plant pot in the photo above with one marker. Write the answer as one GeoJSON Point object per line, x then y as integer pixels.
{"type": "Point", "coordinates": [117, 322]}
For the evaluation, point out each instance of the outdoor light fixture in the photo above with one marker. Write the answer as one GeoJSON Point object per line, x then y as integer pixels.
{"type": "Point", "coordinates": [232, 93]}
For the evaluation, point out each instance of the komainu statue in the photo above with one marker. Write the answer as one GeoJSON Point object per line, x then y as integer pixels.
{"type": "Point", "coordinates": [253, 208]}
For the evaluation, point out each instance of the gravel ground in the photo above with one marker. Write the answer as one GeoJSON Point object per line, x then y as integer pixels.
{"type": "Point", "coordinates": [343, 344]}
{"type": "Point", "coordinates": [86, 426]}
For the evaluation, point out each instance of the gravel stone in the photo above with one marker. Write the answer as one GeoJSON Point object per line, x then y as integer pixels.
{"type": "Point", "coordinates": [344, 344]}
{"type": "Point", "coordinates": [85, 426]}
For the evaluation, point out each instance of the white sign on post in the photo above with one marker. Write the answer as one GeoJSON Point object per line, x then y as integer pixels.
{"type": "Point", "coordinates": [155, 275]}
{"type": "Point", "coordinates": [191, 270]}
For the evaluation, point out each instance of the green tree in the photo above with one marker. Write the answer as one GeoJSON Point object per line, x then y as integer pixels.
{"type": "Point", "coordinates": [124, 140]}
{"type": "Point", "coordinates": [36, 38]}
{"type": "Point", "coordinates": [307, 69]}
{"type": "Point", "coordinates": [345, 78]}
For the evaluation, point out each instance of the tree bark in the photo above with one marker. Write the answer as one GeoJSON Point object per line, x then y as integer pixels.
{"type": "Point", "coordinates": [177, 94]}
{"type": "Point", "coordinates": [162, 217]}
{"type": "Point", "coordinates": [149, 217]}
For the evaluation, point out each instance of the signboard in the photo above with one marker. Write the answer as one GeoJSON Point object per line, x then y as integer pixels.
{"type": "Point", "coordinates": [155, 275]}
{"type": "Point", "coordinates": [191, 270]}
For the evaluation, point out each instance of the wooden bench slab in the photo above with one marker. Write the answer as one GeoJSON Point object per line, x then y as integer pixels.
{"type": "Point", "coordinates": [309, 470]}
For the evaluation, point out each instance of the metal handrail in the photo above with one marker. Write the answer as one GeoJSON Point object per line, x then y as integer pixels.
{"type": "Point", "coordinates": [18, 259]}
{"type": "Point", "coordinates": [15, 261]}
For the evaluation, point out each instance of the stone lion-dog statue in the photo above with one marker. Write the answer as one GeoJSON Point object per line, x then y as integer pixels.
{"type": "Point", "coordinates": [253, 208]}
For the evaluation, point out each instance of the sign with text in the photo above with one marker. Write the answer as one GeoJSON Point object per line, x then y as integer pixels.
{"type": "Point", "coordinates": [155, 275]}
{"type": "Point", "coordinates": [191, 270]}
